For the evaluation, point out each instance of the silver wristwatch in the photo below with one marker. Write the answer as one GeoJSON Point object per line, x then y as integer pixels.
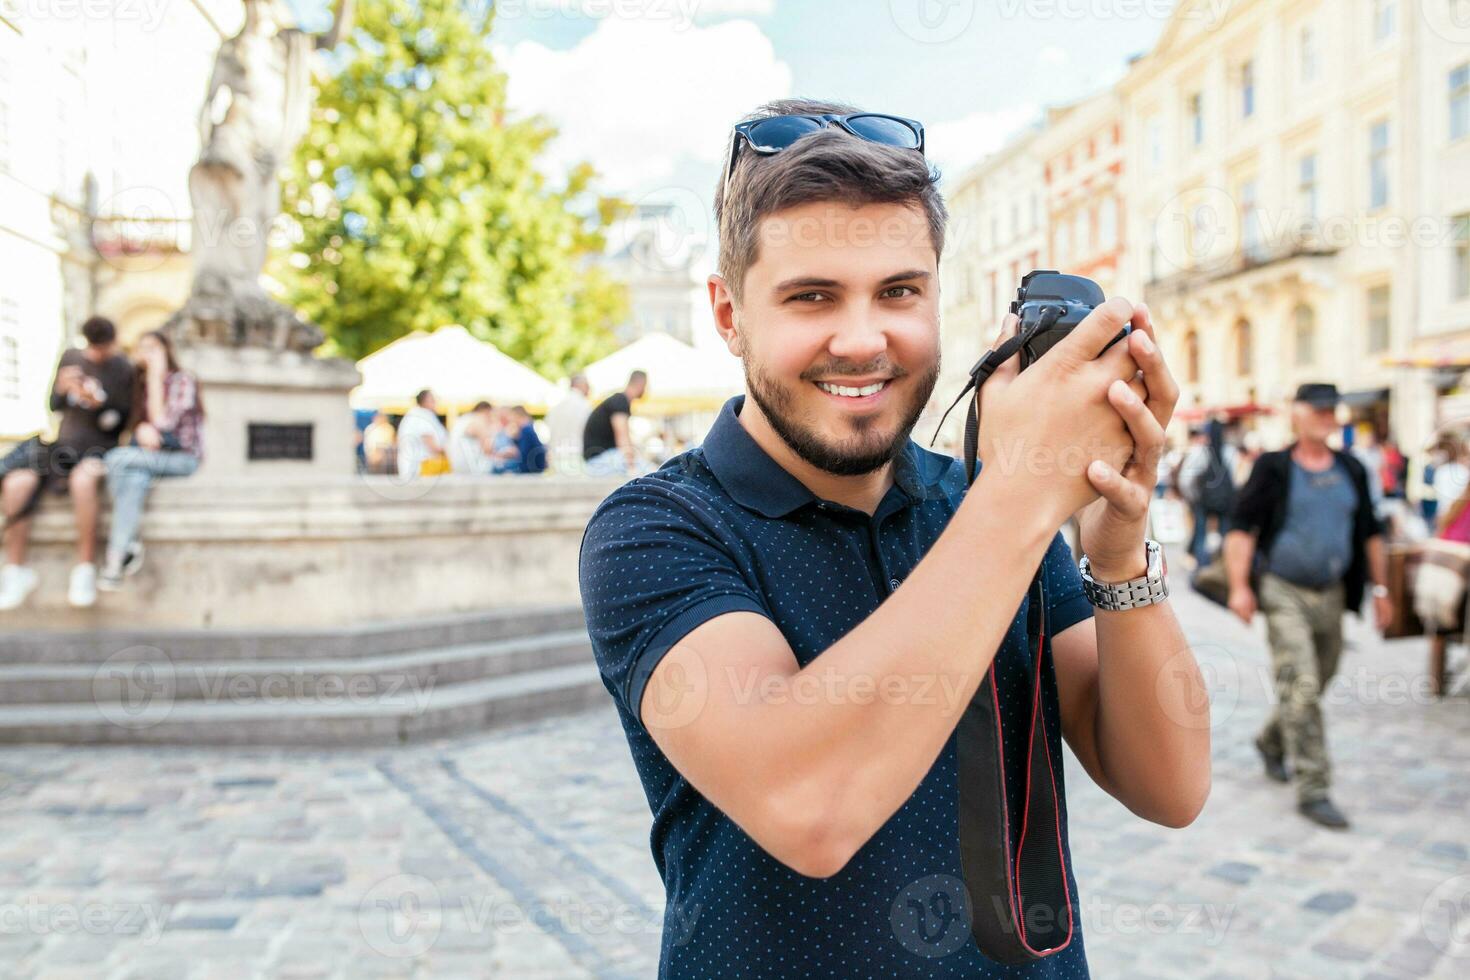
{"type": "Point", "coordinates": [1147, 589]}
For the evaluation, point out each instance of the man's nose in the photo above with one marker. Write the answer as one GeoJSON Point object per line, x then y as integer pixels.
{"type": "Point", "coordinates": [861, 338]}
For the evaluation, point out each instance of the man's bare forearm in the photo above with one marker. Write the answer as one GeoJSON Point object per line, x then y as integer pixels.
{"type": "Point", "coordinates": [903, 677]}
{"type": "Point", "coordinates": [1153, 715]}
{"type": "Point", "coordinates": [1240, 553]}
{"type": "Point", "coordinates": [1377, 561]}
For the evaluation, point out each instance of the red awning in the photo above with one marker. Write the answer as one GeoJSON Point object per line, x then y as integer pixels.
{"type": "Point", "coordinates": [1199, 413]}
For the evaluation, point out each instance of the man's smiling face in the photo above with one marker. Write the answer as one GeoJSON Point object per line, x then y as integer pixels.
{"type": "Point", "coordinates": [839, 330]}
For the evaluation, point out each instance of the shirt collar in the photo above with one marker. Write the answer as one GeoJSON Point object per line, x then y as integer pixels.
{"type": "Point", "coordinates": [755, 480]}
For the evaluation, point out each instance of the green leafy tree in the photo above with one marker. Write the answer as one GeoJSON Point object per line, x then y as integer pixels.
{"type": "Point", "coordinates": [417, 201]}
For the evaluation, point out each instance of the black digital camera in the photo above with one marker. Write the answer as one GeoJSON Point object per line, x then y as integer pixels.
{"type": "Point", "coordinates": [1050, 304]}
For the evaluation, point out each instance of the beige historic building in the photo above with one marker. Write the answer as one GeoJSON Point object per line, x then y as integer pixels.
{"type": "Point", "coordinates": [1082, 153]}
{"type": "Point", "coordinates": [996, 234]}
{"type": "Point", "coordinates": [97, 133]}
{"type": "Point", "coordinates": [1292, 203]}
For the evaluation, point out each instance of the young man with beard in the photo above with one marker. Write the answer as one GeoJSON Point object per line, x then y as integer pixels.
{"type": "Point", "coordinates": [792, 617]}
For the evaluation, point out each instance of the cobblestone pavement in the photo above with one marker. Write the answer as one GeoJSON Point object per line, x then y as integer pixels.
{"type": "Point", "coordinates": [524, 853]}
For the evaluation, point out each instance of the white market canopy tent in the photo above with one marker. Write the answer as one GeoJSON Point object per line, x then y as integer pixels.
{"type": "Point", "coordinates": [681, 378]}
{"type": "Point", "coordinates": [460, 369]}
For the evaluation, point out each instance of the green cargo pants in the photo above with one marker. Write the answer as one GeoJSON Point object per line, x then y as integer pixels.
{"type": "Point", "coordinates": [1304, 628]}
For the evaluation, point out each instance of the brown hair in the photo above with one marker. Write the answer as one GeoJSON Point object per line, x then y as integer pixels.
{"type": "Point", "coordinates": [139, 411]}
{"type": "Point", "coordinates": [828, 165]}
{"type": "Point", "coordinates": [99, 330]}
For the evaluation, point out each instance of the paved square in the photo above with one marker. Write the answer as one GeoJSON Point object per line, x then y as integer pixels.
{"type": "Point", "coordinates": [525, 853]}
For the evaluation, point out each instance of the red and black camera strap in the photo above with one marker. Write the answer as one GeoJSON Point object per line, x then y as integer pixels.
{"type": "Point", "coordinates": [1013, 864]}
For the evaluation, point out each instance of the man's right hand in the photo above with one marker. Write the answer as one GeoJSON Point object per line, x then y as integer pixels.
{"type": "Point", "coordinates": [1042, 428]}
{"type": "Point", "coordinates": [68, 380]}
{"type": "Point", "coordinates": [1242, 602]}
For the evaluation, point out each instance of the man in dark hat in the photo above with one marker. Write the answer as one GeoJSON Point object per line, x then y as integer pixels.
{"type": "Point", "coordinates": [1304, 542]}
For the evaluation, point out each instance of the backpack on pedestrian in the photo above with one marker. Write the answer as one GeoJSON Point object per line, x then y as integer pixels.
{"type": "Point", "coordinates": [1214, 489]}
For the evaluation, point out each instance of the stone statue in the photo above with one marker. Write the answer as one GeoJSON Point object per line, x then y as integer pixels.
{"type": "Point", "coordinates": [256, 111]}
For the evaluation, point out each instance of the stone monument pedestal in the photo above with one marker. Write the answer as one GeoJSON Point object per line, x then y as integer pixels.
{"type": "Point", "coordinates": [273, 413]}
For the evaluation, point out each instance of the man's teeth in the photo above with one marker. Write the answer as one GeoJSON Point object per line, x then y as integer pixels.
{"type": "Point", "coordinates": [847, 392]}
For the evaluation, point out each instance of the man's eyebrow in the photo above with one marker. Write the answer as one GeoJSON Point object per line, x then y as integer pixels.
{"type": "Point", "coordinates": [814, 282]}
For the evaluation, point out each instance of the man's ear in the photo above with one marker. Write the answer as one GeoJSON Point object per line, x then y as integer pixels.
{"type": "Point", "coordinates": [727, 316]}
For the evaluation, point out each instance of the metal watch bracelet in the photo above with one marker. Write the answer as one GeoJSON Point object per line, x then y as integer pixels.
{"type": "Point", "coordinates": [1149, 588]}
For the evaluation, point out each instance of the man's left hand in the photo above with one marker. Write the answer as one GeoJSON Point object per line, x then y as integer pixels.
{"type": "Point", "coordinates": [1114, 526]}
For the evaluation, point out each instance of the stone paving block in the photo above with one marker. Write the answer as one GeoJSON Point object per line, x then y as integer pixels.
{"type": "Point", "coordinates": [1330, 902]}
{"type": "Point", "coordinates": [1237, 871]}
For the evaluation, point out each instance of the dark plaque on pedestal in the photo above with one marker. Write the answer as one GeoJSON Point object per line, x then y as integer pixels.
{"type": "Point", "coordinates": [273, 440]}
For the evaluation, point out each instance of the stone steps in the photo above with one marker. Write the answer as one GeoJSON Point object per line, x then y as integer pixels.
{"type": "Point", "coordinates": [98, 646]}
{"type": "Point", "coordinates": [387, 693]}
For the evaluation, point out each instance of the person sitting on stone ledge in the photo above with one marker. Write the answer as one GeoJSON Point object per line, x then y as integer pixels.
{"type": "Point", "coordinates": [167, 441]}
{"type": "Point", "coordinates": [472, 440]}
{"type": "Point", "coordinates": [530, 450]}
{"type": "Point", "coordinates": [422, 439]}
{"type": "Point", "coordinates": [92, 391]}
{"type": "Point", "coordinates": [505, 456]}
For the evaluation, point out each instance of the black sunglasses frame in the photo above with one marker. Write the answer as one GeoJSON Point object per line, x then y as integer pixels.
{"type": "Point", "coordinates": [743, 130]}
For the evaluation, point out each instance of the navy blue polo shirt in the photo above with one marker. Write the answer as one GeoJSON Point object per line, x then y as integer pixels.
{"type": "Point", "coordinates": [721, 528]}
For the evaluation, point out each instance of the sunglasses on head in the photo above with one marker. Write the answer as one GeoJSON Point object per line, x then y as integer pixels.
{"type": "Point", "coordinates": [775, 133]}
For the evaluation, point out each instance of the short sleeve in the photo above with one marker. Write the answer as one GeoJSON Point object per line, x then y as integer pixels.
{"type": "Point", "coordinates": [651, 572]}
{"type": "Point", "coordinates": [1066, 603]}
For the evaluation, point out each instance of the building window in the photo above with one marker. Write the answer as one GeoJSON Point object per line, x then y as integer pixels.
{"type": "Point", "coordinates": [1378, 318]}
{"type": "Point", "coordinates": [1460, 279]}
{"type": "Point", "coordinates": [1035, 211]}
{"type": "Point", "coordinates": [1155, 132]}
{"type": "Point", "coordinates": [1064, 242]}
{"type": "Point", "coordinates": [1305, 344]}
{"type": "Point", "coordinates": [9, 349]}
{"type": "Point", "coordinates": [5, 90]}
{"type": "Point", "coordinates": [1107, 223]}
{"type": "Point", "coordinates": [1306, 186]}
{"type": "Point", "coordinates": [1307, 54]}
{"type": "Point", "coordinates": [1250, 219]}
{"type": "Point", "coordinates": [1378, 164]}
{"type": "Point", "coordinates": [1385, 19]}
{"type": "Point", "coordinates": [1082, 238]}
{"type": "Point", "coordinates": [1243, 348]}
{"type": "Point", "coordinates": [1247, 89]}
{"type": "Point", "coordinates": [1196, 114]}
{"type": "Point", "coordinates": [1204, 228]}
{"type": "Point", "coordinates": [1460, 102]}
{"type": "Point", "coordinates": [1191, 357]}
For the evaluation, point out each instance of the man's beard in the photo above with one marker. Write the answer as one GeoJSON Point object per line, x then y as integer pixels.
{"type": "Point", "coordinates": [776, 402]}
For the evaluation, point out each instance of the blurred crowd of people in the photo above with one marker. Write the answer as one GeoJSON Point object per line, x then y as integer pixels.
{"type": "Point", "coordinates": [576, 437]}
{"type": "Point", "coordinates": [1206, 474]}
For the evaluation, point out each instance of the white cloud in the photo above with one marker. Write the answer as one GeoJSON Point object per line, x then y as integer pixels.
{"type": "Point", "coordinates": [1053, 55]}
{"type": "Point", "coordinates": [638, 96]}
{"type": "Point", "coordinates": [712, 9]}
{"type": "Point", "coordinates": [684, 13]}
{"type": "Point", "coordinates": [955, 145]}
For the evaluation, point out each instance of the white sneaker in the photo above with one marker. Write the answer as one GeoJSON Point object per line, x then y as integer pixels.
{"type": "Point", "coordinates": [16, 583]}
{"type": "Point", "coordinates": [82, 592]}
